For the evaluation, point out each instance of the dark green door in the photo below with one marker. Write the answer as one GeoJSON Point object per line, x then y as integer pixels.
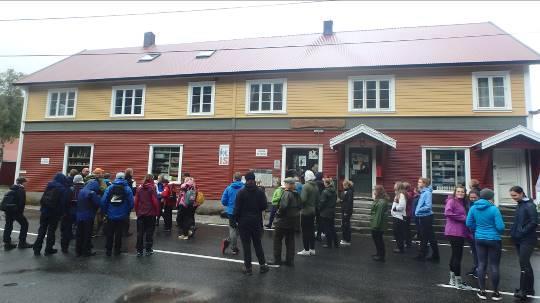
{"type": "Point", "coordinates": [360, 170]}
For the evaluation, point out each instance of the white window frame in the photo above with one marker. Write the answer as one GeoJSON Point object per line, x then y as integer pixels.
{"type": "Point", "coordinates": [282, 81]}
{"type": "Point", "coordinates": [61, 90]}
{"type": "Point", "coordinates": [180, 157]}
{"type": "Point", "coordinates": [284, 148]}
{"type": "Point", "coordinates": [391, 94]}
{"type": "Point", "coordinates": [467, 151]}
{"type": "Point", "coordinates": [128, 87]}
{"type": "Point", "coordinates": [507, 90]}
{"type": "Point", "coordinates": [66, 149]}
{"type": "Point", "coordinates": [192, 85]}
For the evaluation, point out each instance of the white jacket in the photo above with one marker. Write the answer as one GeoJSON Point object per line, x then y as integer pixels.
{"type": "Point", "coordinates": [399, 208]}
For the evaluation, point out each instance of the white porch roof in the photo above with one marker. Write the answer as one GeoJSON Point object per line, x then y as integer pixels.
{"type": "Point", "coordinates": [366, 130]}
{"type": "Point", "coordinates": [509, 134]}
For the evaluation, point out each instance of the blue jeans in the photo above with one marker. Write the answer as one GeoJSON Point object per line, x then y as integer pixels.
{"type": "Point", "coordinates": [489, 252]}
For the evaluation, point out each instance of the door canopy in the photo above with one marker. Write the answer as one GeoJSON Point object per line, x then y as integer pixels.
{"type": "Point", "coordinates": [509, 134]}
{"type": "Point", "coordinates": [366, 130]}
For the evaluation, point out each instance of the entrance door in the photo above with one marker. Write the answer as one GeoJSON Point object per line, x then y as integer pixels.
{"type": "Point", "coordinates": [360, 170]}
{"type": "Point", "coordinates": [508, 170]}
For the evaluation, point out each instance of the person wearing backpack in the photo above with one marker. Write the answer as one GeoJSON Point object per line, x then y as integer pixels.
{"type": "Point", "coordinates": [53, 203]}
{"type": "Point", "coordinates": [13, 206]}
{"type": "Point", "coordinates": [116, 203]}
{"type": "Point", "coordinates": [228, 200]}
{"type": "Point", "coordinates": [146, 208]}
{"type": "Point", "coordinates": [128, 173]}
{"type": "Point", "coordinates": [68, 219]}
{"type": "Point", "coordinates": [186, 209]}
{"type": "Point", "coordinates": [85, 210]}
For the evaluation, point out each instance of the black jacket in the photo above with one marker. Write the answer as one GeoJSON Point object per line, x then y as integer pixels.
{"type": "Point", "coordinates": [250, 203]}
{"type": "Point", "coordinates": [525, 222]}
{"type": "Point", "coordinates": [20, 196]}
{"type": "Point", "coordinates": [347, 201]}
{"type": "Point", "coordinates": [328, 203]}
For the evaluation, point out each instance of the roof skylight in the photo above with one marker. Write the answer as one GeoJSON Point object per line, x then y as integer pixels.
{"type": "Point", "coordinates": [149, 57]}
{"type": "Point", "coordinates": [205, 54]}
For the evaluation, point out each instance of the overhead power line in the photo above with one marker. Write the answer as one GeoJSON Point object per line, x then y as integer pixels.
{"type": "Point", "coordinates": [252, 48]}
{"type": "Point", "coordinates": [162, 12]}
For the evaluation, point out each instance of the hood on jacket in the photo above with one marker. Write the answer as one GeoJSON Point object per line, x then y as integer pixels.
{"type": "Point", "coordinates": [237, 184]}
{"type": "Point", "coordinates": [482, 204]}
{"type": "Point", "coordinates": [120, 182]}
{"type": "Point", "coordinates": [309, 175]}
{"type": "Point", "coordinates": [428, 189]}
{"type": "Point", "coordinates": [59, 180]}
{"type": "Point", "coordinates": [16, 187]}
{"type": "Point", "coordinates": [92, 185]}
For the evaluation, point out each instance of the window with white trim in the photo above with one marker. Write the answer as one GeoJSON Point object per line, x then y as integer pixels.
{"type": "Point", "coordinates": [491, 91]}
{"type": "Point", "coordinates": [266, 96]}
{"type": "Point", "coordinates": [201, 98]}
{"type": "Point", "coordinates": [78, 156]}
{"type": "Point", "coordinates": [446, 167]}
{"type": "Point", "coordinates": [61, 103]}
{"type": "Point", "coordinates": [166, 160]}
{"type": "Point", "coordinates": [128, 100]}
{"type": "Point", "coordinates": [373, 93]}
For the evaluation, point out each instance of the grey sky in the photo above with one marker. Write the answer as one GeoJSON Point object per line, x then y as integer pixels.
{"type": "Point", "coordinates": [71, 36]}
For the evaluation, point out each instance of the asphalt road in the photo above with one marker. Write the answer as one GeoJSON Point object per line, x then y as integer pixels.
{"type": "Point", "coordinates": [195, 271]}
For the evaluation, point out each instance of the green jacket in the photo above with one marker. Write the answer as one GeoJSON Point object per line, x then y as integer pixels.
{"type": "Point", "coordinates": [379, 216]}
{"type": "Point", "coordinates": [310, 198]}
{"type": "Point", "coordinates": [327, 205]}
{"type": "Point", "coordinates": [288, 213]}
{"type": "Point", "coordinates": [276, 196]}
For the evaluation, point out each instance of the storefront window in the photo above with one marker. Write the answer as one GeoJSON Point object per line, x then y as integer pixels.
{"type": "Point", "coordinates": [446, 168]}
{"type": "Point", "coordinates": [78, 157]}
{"type": "Point", "coordinates": [166, 160]}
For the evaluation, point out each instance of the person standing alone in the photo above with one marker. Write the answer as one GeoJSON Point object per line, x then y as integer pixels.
{"type": "Point", "coordinates": [13, 205]}
{"type": "Point", "coordinates": [228, 200]}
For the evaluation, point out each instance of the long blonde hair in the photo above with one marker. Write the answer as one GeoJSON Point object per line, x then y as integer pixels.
{"type": "Point", "coordinates": [399, 189]}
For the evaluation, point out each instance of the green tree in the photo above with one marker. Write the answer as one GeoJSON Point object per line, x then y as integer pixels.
{"type": "Point", "coordinates": [11, 104]}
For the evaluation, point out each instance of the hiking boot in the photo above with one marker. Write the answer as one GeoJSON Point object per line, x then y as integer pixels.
{"type": "Point", "coordinates": [51, 251]}
{"type": "Point", "coordinates": [304, 253]}
{"type": "Point", "coordinates": [264, 269]}
{"type": "Point", "coordinates": [482, 295]}
{"type": "Point", "coordinates": [224, 245]}
{"type": "Point", "coordinates": [9, 246]}
{"type": "Point", "coordinates": [23, 245]}
{"type": "Point", "coordinates": [496, 296]}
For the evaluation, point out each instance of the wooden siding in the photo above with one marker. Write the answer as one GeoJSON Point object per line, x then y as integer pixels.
{"type": "Point", "coordinates": [419, 92]}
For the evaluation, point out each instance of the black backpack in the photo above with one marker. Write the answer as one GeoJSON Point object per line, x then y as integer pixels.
{"type": "Point", "coordinates": [51, 198]}
{"type": "Point", "coordinates": [9, 202]}
{"type": "Point", "coordinates": [117, 195]}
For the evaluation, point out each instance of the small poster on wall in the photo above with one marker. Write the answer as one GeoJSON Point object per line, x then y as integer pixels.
{"type": "Point", "coordinates": [277, 164]}
{"type": "Point", "coordinates": [224, 154]}
{"type": "Point", "coordinates": [313, 154]}
{"type": "Point", "coordinates": [302, 161]}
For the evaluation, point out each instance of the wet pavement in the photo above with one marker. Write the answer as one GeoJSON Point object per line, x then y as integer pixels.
{"type": "Point", "coordinates": [195, 271]}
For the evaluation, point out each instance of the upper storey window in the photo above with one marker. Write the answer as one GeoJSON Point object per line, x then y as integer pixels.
{"type": "Point", "coordinates": [491, 91]}
{"type": "Point", "coordinates": [266, 96]}
{"type": "Point", "coordinates": [128, 101]}
{"type": "Point", "coordinates": [201, 98]}
{"type": "Point", "coordinates": [61, 103]}
{"type": "Point", "coordinates": [371, 93]}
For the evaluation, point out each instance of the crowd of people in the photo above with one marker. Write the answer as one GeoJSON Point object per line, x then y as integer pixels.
{"type": "Point", "coordinates": [91, 203]}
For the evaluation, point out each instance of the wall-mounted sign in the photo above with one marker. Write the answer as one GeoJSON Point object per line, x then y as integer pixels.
{"type": "Point", "coordinates": [277, 164]}
{"type": "Point", "coordinates": [44, 161]}
{"type": "Point", "coordinates": [313, 154]}
{"type": "Point", "coordinates": [224, 154]}
{"type": "Point", "coordinates": [261, 153]}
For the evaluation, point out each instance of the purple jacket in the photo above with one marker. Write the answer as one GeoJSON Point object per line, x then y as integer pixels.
{"type": "Point", "coordinates": [456, 215]}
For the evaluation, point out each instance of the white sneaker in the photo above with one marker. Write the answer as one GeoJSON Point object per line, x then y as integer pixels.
{"type": "Point", "coordinates": [303, 253]}
{"type": "Point", "coordinates": [311, 252]}
{"type": "Point", "coordinates": [344, 243]}
{"type": "Point", "coordinates": [182, 237]}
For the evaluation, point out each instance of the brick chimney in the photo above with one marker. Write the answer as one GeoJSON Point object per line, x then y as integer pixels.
{"type": "Point", "coordinates": [149, 39]}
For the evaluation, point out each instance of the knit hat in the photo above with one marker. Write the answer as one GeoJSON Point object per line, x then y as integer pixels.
{"type": "Point", "coordinates": [120, 175]}
{"type": "Point", "coordinates": [98, 171]}
{"type": "Point", "coordinates": [486, 194]}
{"type": "Point", "coordinates": [78, 179]}
{"type": "Point", "coordinates": [289, 180]}
{"type": "Point", "coordinates": [309, 175]}
{"type": "Point", "coordinates": [249, 176]}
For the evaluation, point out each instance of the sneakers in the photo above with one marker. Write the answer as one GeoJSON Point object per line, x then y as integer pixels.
{"type": "Point", "coordinates": [344, 243]}
{"type": "Point", "coordinates": [140, 254]}
{"type": "Point", "coordinates": [452, 281]}
{"type": "Point", "coordinates": [304, 253]}
{"type": "Point", "coordinates": [224, 245]}
{"type": "Point", "coordinates": [264, 269]}
{"type": "Point", "coordinates": [149, 252]}
{"type": "Point", "coordinates": [182, 237]}
{"type": "Point", "coordinates": [378, 258]}
{"type": "Point", "coordinates": [235, 251]}
{"type": "Point", "coordinates": [460, 284]}
{"type": "Point", "coordinates": [482, 295]}
{"type": "Point", "coordinates": [51, 251]}
{"type": "Point", "coordinates": [312, 252]}
{"type": "Point", "coordinates": [23, 245]}
{"type": "Point", "coordinates": [9, 246]}
{"type": "Point", "coordinates": [248, 271]}
{"type": "Point", "coordinates": [496, 296]}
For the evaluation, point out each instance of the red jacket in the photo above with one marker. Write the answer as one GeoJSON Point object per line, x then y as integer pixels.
{"type": "Point", "coordinates": [146, 201]}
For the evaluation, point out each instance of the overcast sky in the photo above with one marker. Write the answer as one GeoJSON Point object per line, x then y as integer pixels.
{"type": "Point", "coordinates": [70, 36]}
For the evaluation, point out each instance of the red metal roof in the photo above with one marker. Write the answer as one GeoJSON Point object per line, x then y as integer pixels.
{"type": "Point", "coordinates": [428, 45]}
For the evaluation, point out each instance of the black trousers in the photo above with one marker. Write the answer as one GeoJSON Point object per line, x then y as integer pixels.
{"type": "Point", "coordinates": [8, 228]}
{"type": "Point", "coordinates": [408, 234]}
{"type": "Point", "coordinates": [288, 234]}
{"type": "Point", "coordinates": [48, 223]}
{"type": "Point", "coordinates": [167, 217]}
{"type": "Point", "coordinates": [377, 236]}
{"type": "Point", "coordinates": [187, 215]}
{"type": "Point", "coordinates": [145, 233]}
{"type": "Point", "coordinates": [346, 226]}
{"type": "Point", "coordinates": [526, 282]}
{"type": "Point", "coordinates": [329, 230]}
{"type": "Point", "coordinates": [249, 234]}
{"type": "Point", "coordinates": [114, 231]}
{"type": "Point", "coordinates": [66, 230]}
{"type": "Point", "coordinates": [318, 225]}
{"type": "Point", "coordinates": [308, 232]}
{"type": "Point", "coordinates": [83, 242]}
{"type": "Point", "coordinates": [427, 235]}
{"type": "Point", "coordinates": [400, 232]}
{"type": "Point", "coordinates": [457, 254]}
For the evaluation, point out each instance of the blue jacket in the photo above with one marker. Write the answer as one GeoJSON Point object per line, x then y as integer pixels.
{"type": "Point", "coordinates": [88, 202]}
{"type": "Point", "coordinates": [525, 222]}
{"type": "Point", "coordinates": [425, 203]}
{"type": "Point", "coordinates": [59, 182]}
{"type": "Point", "coordinates": [228, 198]}
{"type": "Point", "coordinates": [485, 220]}
{"type": "Point", "coordinates": [120, 212]}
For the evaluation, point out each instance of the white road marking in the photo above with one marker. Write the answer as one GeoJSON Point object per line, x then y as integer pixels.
{"type": "Point", "coordinates": [18, 232]}
{"type": "Point", "coordinates": [490, 291]}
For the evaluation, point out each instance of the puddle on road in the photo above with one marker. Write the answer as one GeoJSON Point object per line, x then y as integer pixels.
{"type": "Point", "coordinates": [160, 294]}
